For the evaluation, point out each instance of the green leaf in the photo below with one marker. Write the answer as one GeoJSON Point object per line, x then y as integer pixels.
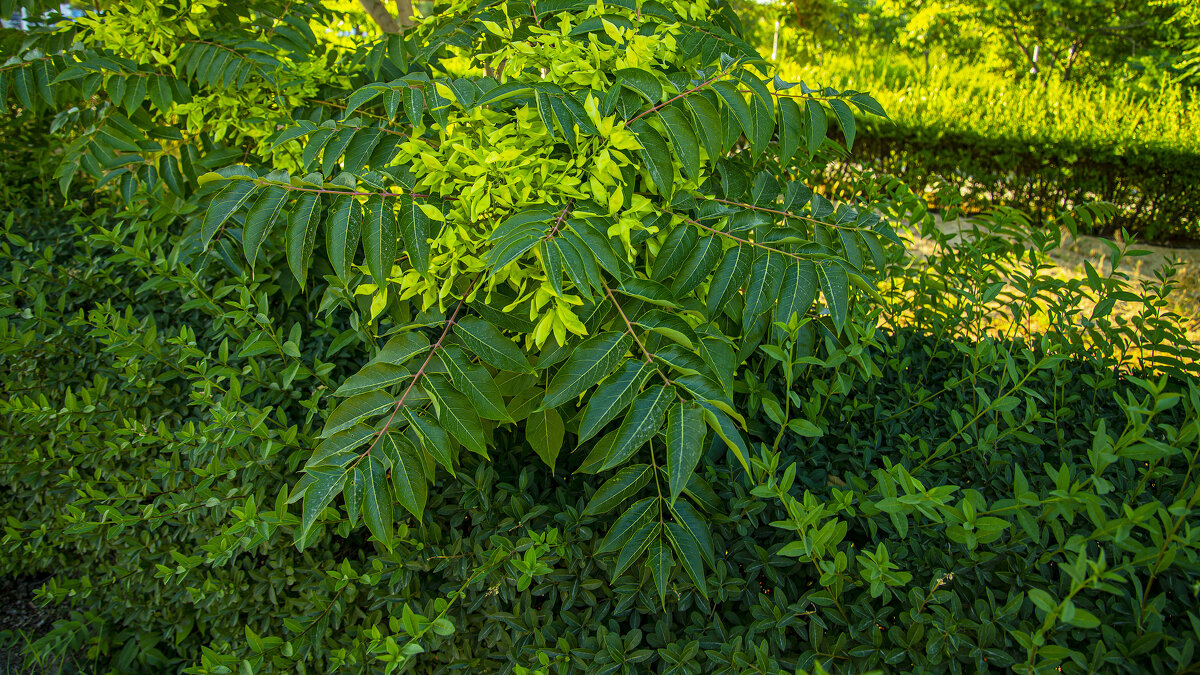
{"type": "Point", "coordinates": [675, 249]}
{"type": "Point", "coordinates": [356, 408]}
{"type": "Point", "coordinates": [325, 484]}
{"type": "Point", "coordinates": [836, 287]}
{"type": "Point", "coordinates": [725, 428]}
{"type": "Point", "coordinates": [400, 348]}
{"type": "Point", "coordinates": [695, 524]}
{"type": "Point", "coordinates": [731, 275]}
{"type": "Point", "coordinates": [656, 157]}
{"type": "Point", "coordinates": [433, 438]}
{"type": "Point", "coordinates": [475, 382]}
{"type": "Point", "coordinates": [708, 124]}
{"type": "Point", "coordinates": [342, 234]}
{"type": "Point", "coordinates": [669, 325]}
{"type": "Point", "coordinates": [490, 345]}
{"type": "Point", "coordinates": [617, 489]}
{"type": "Point", "coordinates": [259, 220]}
{"type": "Point", "coordinates": [817, 125]}
{"type": "Point", "coordinates": [678, 124]}
{"type": "Point", "coordinates": [377, 498]}
{"type": "Point", "coordinates": [640, 82]}
{"type": "Point", "coordinates": [456, 414]}
{"type": "Point", "coordinates": [737, 105]}
{"type": "Point", "coordinates": [612, 396]}
{"type": "Point", "coordinates": [360, 148]}
{"type": "Point", "coordinates": [845, 120]}
{"type": "Point", "coordinates": [414, 229]}
{"type": "Point", "coordinates": [689, 554]}
{"type": "Point", "coordinates": [660, 561]}
{"type": "Point", "coordinates": [358, 98]}
{"type": "Point", "coordinates": [763, 288]}
{"type": "Point", "coordinates": [591, 362]}
{"type": "Point", "coordinates": [408, 477]}
{"type": "Point", "coordinates": [698, 266]}
{"type": "Point", "coordinates": [545, 432]}
{"type": "Point", "coordinates": [868, 105]}
{"type": "Point", "coordinates": [303, 223]}
{"type": "Point", "coordinates": [643, 421]}
{"type": "Point", "coordinates": [685, 441]}
{"type": "Point", "coordinates": [379, 238]}
{"type": "Point", "coordinates": [798, 290]}
{"type": "Point", "coordinates": [641, 513]}
{"type": "Point", "coordinates": [231, 198]}
{"type": "Point", "coordinates": [373, 377]}
{"type": "Point", "coordinates": [633, 549]}
{"type": "Point", "coordinates": [331, 451]}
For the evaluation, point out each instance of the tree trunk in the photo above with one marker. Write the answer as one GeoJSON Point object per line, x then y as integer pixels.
{"type": "Point", "coordinates": [404, 10]}
{"type": "Point", "coordinates": [380, 14]}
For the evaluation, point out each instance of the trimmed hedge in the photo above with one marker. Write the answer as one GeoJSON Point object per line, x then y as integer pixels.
{"type": "Point", "coordinates": [1037, 146]}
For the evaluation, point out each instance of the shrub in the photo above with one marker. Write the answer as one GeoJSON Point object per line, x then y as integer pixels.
{"type": "Point", "coordinates": [187, 359]}
{"type": "Point", "coordinates": [1040, 147]}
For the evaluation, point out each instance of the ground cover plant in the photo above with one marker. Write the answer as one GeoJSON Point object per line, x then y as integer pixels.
{"type": "Point", "coordinates": [512, 343]}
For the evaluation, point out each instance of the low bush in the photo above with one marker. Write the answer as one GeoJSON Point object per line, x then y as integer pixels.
{"type": "Point", "coordinates": [1037, 146]}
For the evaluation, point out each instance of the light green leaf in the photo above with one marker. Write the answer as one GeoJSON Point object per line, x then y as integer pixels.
{"type": "Point", "coordinates": [591, 361]}
{"type": "Point", "coordinates": [643, 421]}
{"type": "Point", "coordinates": [685, 443]}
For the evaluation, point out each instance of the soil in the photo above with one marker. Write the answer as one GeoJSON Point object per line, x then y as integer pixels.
{"type": "Point", "coordinates": [22, 620]}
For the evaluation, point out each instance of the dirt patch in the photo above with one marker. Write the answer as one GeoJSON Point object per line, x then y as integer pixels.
{"type": "Point", "coordinates": [22, 620]}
